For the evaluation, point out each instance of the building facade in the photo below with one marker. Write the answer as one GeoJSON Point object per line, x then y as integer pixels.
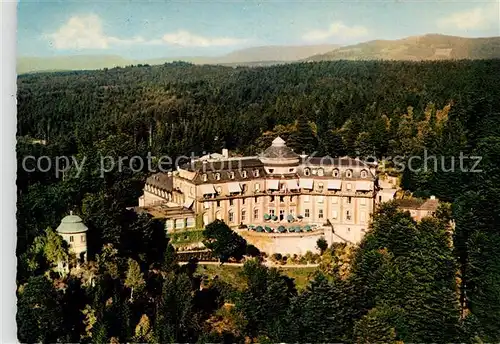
{"type": "Point", "coordinates": [418, 208]}
{"type": "Point", "coordinates": [277, 184]}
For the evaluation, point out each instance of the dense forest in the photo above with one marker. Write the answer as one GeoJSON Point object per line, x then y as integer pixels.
{"type": "Point", "coordinates": [414, 282]}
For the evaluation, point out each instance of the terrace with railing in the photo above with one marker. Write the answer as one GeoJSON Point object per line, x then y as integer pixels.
{"type": "Point", "coordinates": [271, 224]}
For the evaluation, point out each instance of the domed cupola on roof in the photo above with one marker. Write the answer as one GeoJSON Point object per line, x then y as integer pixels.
{"type": "Point", "coordinates": [279, 154]}
{"type": "Point", "coordinates": [71, 224]}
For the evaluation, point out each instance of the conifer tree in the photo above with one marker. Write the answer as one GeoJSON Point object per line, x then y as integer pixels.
{"type": "Point", "coordinates": [331, 144]}
{"type": "Point", "coordinates": [322, 313]}
{"type": "Point", "coordinates": [39, 313]}
{"type": "Point", "coordinates": [377, 326]}
{"type": "Point", "coordinates": [100, 333]}
{"type": "Point", "coordinates": [477, 246]}
{"type": "Point", "coordinates": [408, 265]}
{"type": "Point", "coordinates": [303, 139]}
{"type": "Point", "coordinates": [175, 321]}
{"type": "Point", "coordinates": [265, 300]}
{"type": "Point", "coordinates": [170, 259]}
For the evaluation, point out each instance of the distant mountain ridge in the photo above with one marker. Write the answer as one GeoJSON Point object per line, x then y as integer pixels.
{"type": "Point", "coordinates": [417, 48]}
{"type": "Point", "coordinates": [275, 53]}
{"type": "Point", "coordinates": [64, 63]}
{"type": "Point", "coordinates": [264, 55]}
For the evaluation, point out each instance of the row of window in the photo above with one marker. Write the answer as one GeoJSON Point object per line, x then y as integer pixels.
{"type": "Point", "coordinates": [180, 223]}
{"type": "Point", "coordinates": [243, 174]}
{"type": "Point", "coordinates": [72, 239]}
{"type": "Point", "coordinates": [283, 187]}
{"type": "Point", "coordinates": [307, 214]}
{"type": "Point", "coordinates": [272, 198]}
{"type": "Point", "coordinates": [336, 173]}
{"type": "Point", "coordinates": [307, 172]}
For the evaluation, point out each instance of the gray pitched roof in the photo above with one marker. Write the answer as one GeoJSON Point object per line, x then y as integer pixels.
{"type": "Point", "coordinates": [418, 203]}
{"type": "Point", "coordinates": [161, 180]}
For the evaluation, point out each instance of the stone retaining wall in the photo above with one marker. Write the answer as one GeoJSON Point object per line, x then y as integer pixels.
{"type": "Point", "coordinates": [286, 243]}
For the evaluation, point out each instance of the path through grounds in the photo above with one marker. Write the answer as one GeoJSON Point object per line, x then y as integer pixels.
{"type": "Point", "coordinates": [268, 264]}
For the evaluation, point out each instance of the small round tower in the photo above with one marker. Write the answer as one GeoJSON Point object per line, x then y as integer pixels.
{"type": "Point", "coordinates": [74, 232]}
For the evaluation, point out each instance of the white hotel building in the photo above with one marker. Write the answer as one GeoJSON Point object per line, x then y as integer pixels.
{"type": "Point", "coordinates": [336, 192]}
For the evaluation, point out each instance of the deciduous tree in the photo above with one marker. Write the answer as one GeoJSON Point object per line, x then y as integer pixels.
{"type": "Point", "coordinates": [223, 241]}
{"type": "Point", "coordinates": [134, 280]}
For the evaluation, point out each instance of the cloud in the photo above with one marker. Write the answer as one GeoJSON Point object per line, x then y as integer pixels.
{"type": "Point", "coordinates": [473, 19]}
{"type": "Point", "coordinates": [86, 32]}
{"type": "Point", "coordinates": [187, 39]}
{"type": "Point", "coordinates": [337, 29]}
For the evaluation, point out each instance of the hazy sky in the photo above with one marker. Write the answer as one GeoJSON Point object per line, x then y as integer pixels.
{"type": "Point", "coordinates": [147, 29]}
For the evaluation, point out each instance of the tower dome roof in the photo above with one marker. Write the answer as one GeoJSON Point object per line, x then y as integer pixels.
{"type": "Point", "coordinates": [278, 142]}
{"type": "Point", "coordinates": [71, 224]}
{"type": "Point", "coordinates": [279, 150]}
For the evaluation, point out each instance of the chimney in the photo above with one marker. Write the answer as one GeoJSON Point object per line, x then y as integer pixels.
{"type": "Point", "coordinates": [433, 197]}
{"type": "Point", "coordinates": [225, 153]}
